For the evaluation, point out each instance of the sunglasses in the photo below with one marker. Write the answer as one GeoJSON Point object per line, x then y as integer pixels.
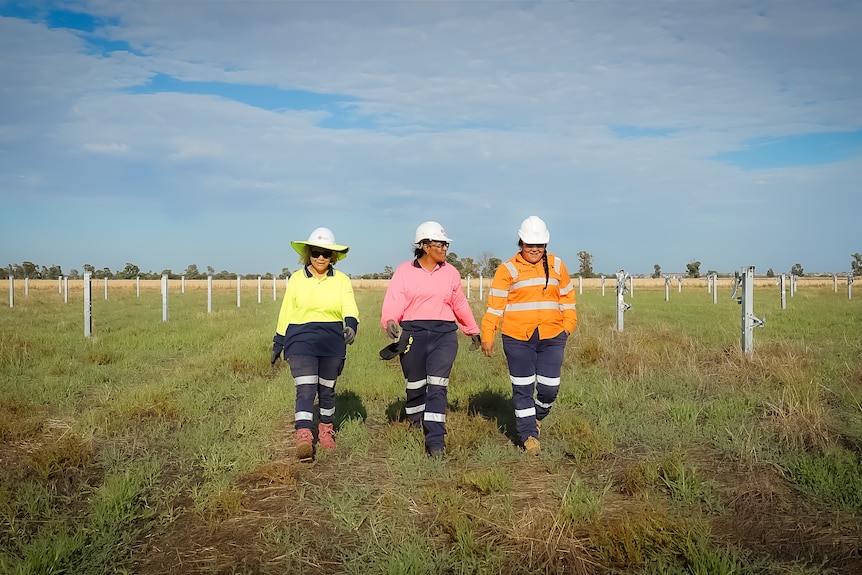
{"type": "Point", "coordinates": [436, 244]}
{"type": "Point", "coordinates": [535, 246]}
{"type": "Point", "coordinates": [316, 253]}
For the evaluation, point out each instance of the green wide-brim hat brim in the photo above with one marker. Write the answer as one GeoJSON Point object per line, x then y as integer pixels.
{"type": "Point", "coordinates": [339, 252]}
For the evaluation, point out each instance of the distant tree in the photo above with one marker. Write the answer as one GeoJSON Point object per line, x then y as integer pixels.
{"type": "Point", "coordinates": [770, 273]}
{"type": "Point", "coordinates": [656, 271]}
{"type": "Point", "coordinates": [285, 273]}
{"type": "Point", "coordinates": [452, 259]}
{"type": "Point", "coordinates": [585, 269]}
{"type": "Point", "coordinates": [693, 268]}
{"type": "Point", "coordinates": [192, 272]}
{"type": "Point", "coordinates": [487, 264]}
{"type": "Point", "coordinates": [856, 265]}
{"type": "Point", "coordinates": [469, 267]}
{"type": "Point", "coordinates": [30, 270]}
{"type": "Point", "coordinates": [211, 271]}
{"type": "Point", "coordinates": [53, 272]}
{"type": "Point", "coordinates": [491, 267]}
{"type": "Point", "coordinates": [74, 274]}
{"type": "Point", "coordinates": [796, 270]}
{"type": "Point", "coordinates": [130, 272]}
{"type": "Point", "coordinates": [387, 271]}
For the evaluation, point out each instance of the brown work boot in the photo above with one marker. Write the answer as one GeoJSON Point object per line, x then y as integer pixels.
{"type": "Point", "coordinates": [532, 446]}
{"type": "Point", "coordinates": [304, 447]}
{"type": "Point", "coordinates": [326, 436]}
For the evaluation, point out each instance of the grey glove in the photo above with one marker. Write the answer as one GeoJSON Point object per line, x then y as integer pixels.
{"type": "Point", "coordinates": [349, 334]}
{"type": "Point", "coordinates": [393, 330]}
{"type": "Point", "coordinates": [477, 342]}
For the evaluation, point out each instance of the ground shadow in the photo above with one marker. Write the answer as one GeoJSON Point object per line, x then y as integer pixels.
{"type": "Point", "coordinates": [495, 406]}
{"type": "Point", "coordinates": [348, 405]}
{"type": "Point", "coordinates": [395, 411]}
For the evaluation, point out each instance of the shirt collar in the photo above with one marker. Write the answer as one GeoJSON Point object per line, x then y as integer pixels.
{"type": "Point", "coordinates": [330, 272]}
{"type": "Point", "coordinates": [416, 264]}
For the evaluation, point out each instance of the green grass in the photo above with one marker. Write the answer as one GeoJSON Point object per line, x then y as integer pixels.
{"type": "Point", "coordinates": [157, 446]}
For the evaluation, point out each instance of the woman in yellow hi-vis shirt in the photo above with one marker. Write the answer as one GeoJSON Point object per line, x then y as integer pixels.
{"type": "Point", "coordinates": [534, 297]}
{"type": "Point", "coordinates": [317, 321]}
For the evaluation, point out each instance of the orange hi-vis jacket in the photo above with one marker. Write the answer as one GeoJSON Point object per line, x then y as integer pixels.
{"type": "Point", "coordinates": [519, 297]}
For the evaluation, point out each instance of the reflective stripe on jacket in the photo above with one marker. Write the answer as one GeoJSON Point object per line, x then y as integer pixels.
{"type": "Point", "coordinates": [519, 297]}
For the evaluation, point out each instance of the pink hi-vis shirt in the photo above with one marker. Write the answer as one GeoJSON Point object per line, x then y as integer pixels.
{"type": "Point", "coordinates": [417, 294]}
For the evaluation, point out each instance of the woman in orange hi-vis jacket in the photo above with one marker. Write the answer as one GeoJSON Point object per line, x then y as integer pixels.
{"type": "Point", "coordinates": [535, 299]}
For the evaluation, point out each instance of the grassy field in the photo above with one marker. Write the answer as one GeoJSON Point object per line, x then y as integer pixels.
{"type": "Point", "coordinates": [167, 447]}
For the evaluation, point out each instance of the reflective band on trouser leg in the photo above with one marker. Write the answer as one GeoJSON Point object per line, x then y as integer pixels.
{"type": "Point", "coordinates": [329, 368]}
{"type": "Point", "coordinates": [441, 352]}
{"type": "Point", "coordinates": [549, 361]}
{"type": "Point", "coordinates": [303, 368]}
{"type": "Point", "coordinates": [414, 407]}
{"type": "Point", "coordinates": [521, 357]}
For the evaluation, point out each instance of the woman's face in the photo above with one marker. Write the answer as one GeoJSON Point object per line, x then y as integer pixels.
{"type": "Point", "coordinates": [532, 252]}
{"type": "Point", "coordinates": [320, 259]}
{"type": "Point", "coordinates": [436, 250]}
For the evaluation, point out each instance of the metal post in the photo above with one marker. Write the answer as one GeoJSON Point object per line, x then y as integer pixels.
{"type": "Point", "coordinates": [106, 289]}
{"type": "Point", "coordinates": [714, 289]}
{"type": "Point", "coordinates": [745, 278]}
{"type": "Point", "coordinates": [238, 289]}
{"type": "Point", "coordinates": [481, 288]}
{"type": "Point", "coordinates": [783, 297]}
{"type": "Point", "coordinates": [259, 286]}
{"type": "Point", "coordinates": [622, 306]}
{"type": "Point", "coordinates": [849, 289]}
{"type": "Point", "coordinates": [580, 285]}
{"type": "Point", "coordinates": [165, 297]}
{"type": "Point", "coordinates": [274, 281]}
{"type": "Point", "coordinates": [631, 286]}
{"type": "Point", "coordinates": [835, 283]}
{"type": "Point", "coordinates": [26, 287]}
{"type": "Point", "coordinates": [59, 285]}
{"type": "Point", "coordinates": [11, 291]}
{"type": "Point", "coordinates": [88, 305]}
{"type": "Point", "coordinates": [138, 285]}
{"type": "Point", "coordinates": [603, 286]}
{"type": "Point", "coordinates": [666, 288]}
{"type": "Point", "coordinates": [679, 284]}
{"type": "Point", "coordinates": [468, 287]}
{"type": "Point", "coordinates": [209, 294]}
{"type": "Point", "coordinates": [66, 289]}
{"type": "Point", "coordinates": [182, 284]}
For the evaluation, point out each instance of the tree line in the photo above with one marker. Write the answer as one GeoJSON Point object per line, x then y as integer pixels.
{"type": "Point", "coordinates": [485, 265]}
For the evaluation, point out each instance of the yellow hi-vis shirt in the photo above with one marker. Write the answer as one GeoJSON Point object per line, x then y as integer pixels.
{"type": "Point", "coordinates": [314, 312]}
{"type": "Point", "coordinates": [519, 298]}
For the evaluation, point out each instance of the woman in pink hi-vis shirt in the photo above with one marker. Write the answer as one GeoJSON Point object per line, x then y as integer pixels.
{"type": "Point", "coordinates": [423, 307]}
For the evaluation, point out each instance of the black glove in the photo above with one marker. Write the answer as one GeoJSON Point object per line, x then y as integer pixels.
{"type": "Point", "coordinates": [349, 334]}
{"type": "Point", "coordinates": [393, 330]}
{"type": "Point", "coordinates": [477, 342]}
{"type": "Point", "coordinates": [277, 348]}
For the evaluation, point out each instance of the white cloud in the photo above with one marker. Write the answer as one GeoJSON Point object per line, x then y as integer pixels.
{"type": "Point", "coordinates": [478, 114]}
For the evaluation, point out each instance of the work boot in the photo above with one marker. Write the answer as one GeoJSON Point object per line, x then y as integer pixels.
{"type": "Point", "coordinates": [532, 446]}
{"type": "Point", "coordinates": [304, 447]}
{"type": "Point", "coordinates": [326, 436]}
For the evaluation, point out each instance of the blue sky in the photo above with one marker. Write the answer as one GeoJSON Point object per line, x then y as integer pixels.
{"type": "Point", "coordinates": [213, 133]}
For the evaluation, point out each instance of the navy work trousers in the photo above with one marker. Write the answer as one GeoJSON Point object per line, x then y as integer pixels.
{"type": "Point", "coordinates": [534, 365]}
{"type": "Point", "coordinates": [314, 376]}
{"type": "Point", "coordinates": [426, 364]}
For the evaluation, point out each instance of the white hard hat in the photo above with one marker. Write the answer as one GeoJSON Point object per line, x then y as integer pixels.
{"type": "Point", "coordinates": [534, 231]}
{"type": "Point", "coordinates": [430, 231]}
{"type": "Point", "coordinates": [321, 238]}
